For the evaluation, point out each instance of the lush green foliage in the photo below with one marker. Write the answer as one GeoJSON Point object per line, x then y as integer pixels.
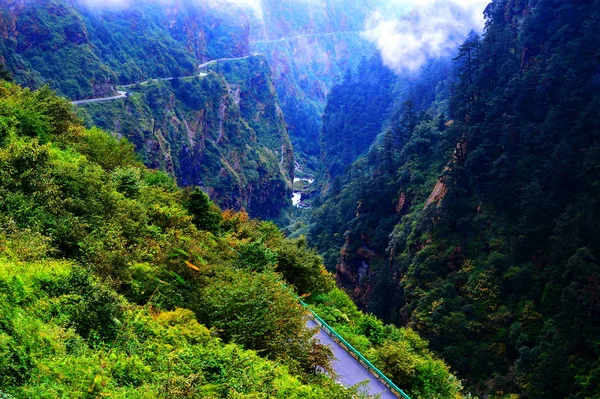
{"type": "Point", "coordinates": [107, 268]}
{"type": "Point", "coordinates": [84, 51]}
{"type": "Point", "coordinates": [493, 209]}
{"type": "Point", "coordinates": [65, 334]}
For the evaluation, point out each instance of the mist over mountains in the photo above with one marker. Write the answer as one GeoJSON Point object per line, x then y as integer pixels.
{"type": "Point", "coordinates": [406, 32]}
{"type": "Point", "coordinates": [175, 174]}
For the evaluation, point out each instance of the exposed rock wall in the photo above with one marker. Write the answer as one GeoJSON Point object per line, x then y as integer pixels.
{"type": "Point", "coordinates": [224, 133]}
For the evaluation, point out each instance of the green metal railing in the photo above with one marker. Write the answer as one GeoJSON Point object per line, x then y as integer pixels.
{"type": "Point", "coordinates": [349, 348]}
{"type": "Point", "coordinates": [363, 360]}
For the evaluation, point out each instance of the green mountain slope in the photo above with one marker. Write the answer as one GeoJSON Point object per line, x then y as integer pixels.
{"type": "Point", "coordinates": [84, 52]}
{"type": "Point", "coordinates": [114, 282]}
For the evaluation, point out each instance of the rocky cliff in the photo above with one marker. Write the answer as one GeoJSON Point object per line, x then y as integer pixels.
{"type": "Point", "coordinates": [223, 132]}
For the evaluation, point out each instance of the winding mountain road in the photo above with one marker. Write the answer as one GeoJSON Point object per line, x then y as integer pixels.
{"type": "Point", "coordinates": [208, 63]}
{"type": "Point", "coordinates": [124, 94]}
{"type": "Point", "coordinates": [349, 370]}
{"type": "Point", "coordinates": [201, 74]}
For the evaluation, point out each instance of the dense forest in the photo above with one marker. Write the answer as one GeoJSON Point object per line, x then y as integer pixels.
{"type": "Point", "coordinates": [451, 233]}
{"type": "Point", "coordinates": [83, 51]}
{"type": "Point", "coordinates": [475, 220]}
{"type": "Point", "coordinates": [115, 282]}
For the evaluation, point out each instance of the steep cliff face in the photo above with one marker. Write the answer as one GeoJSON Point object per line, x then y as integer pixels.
{"type": "Point", "coordinates": [223, 132]}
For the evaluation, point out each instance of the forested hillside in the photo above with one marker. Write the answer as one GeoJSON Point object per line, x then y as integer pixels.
{"type": "Point", "coordinates": [223, 132]}
{"type": "Point", "coordinates": [366, 101]}
{"type": "Point", "coordinates": [370, 100]}
{"type": "Point", "coordinates": [456, 201]}
{"type": "Point", "coordinates": [348, 133]}
{"type": "Point", "coordinates": [116, 283]}
{"type": "Point", "coordinates": [476, 222]}
{"type": "Point", "coordinates": [84, 50]}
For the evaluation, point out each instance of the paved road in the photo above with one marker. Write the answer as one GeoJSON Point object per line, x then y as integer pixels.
{"type": "Point", "coordinates": [201, 74]}
{"type": "Point", "coordinates": [350, 371]}
{"type": "Point", "coordinates": [206, 64]}
{"type": "Point", "coordinates": [122, 94]}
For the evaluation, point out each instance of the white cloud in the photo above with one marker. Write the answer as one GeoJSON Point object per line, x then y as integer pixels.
{"type": "Point", "coordinates": [254, 4]}
{"type": "Point", "coordinates": [433, 28]}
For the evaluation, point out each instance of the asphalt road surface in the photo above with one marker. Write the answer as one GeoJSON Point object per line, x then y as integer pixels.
{"type": "Point", "coordinates": [349, 370]}
{"type": "Point", "coordinates": [122, 94]}
{"type": "Point", "coordinates": [202, 66]}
